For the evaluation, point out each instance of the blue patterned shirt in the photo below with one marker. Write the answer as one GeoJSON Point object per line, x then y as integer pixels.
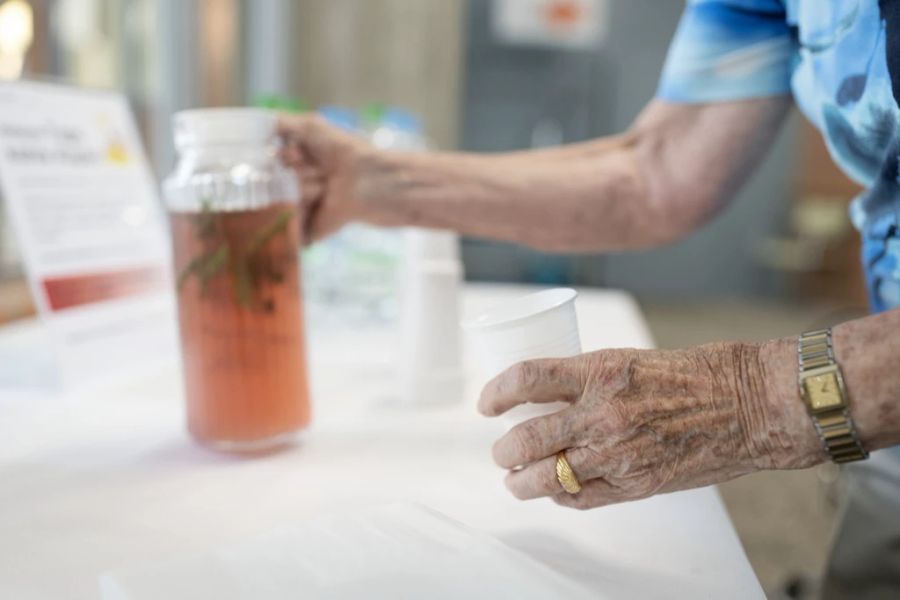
{"type": "Point", "coordinates": [834, 56]}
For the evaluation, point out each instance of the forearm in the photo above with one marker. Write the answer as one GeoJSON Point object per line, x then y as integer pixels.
{"type": "Point", "coordinates": [674, 168]}
{"type": "Point", "coordinates": [868, 352]}
{"type": "Point", "coordinates": [566, 152]}
{"type": "Point", "coordinates": [585, 197]}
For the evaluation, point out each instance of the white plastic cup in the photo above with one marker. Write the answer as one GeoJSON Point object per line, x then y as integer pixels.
{"type": "Point", "coordinates": [539, 325]}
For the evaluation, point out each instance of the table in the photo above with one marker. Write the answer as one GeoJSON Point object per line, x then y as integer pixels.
{"type": "Point", "coordinates": [90, 484]}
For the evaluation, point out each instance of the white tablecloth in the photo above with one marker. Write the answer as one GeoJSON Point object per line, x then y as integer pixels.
{"type": "Point", "coordinates": [110, 481]}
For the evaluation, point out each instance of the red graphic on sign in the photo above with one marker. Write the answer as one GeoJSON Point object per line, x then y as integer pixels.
{"type": "Point", "coordinates": [77, 290]}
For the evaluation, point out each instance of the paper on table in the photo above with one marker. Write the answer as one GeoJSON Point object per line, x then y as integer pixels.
{"type": "Point", "coordinates": [396, 551]}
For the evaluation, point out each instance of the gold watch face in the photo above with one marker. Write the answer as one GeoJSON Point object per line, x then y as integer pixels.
{"type": "Point", "coordinates": [823, 391]}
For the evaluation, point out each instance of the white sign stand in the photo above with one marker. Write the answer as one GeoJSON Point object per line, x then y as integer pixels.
{"type": "Point", "coordinates": [83, 204]}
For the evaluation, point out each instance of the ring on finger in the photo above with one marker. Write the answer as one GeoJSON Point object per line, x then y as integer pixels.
{"type": "Point", "coordinates": [566, 476]}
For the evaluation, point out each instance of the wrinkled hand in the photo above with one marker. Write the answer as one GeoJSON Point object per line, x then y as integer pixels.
{"type": "Point", "coordinates": [329, 163]}
{"type": "Point", "coordinates": [644, 422]}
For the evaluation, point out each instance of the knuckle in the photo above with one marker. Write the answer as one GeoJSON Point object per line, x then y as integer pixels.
{"type": "Point", "coordinates": [619, 367]}
{"type": "Point", "coordinates": [556, 371]}
{"type": "Point", "coordinates": [315, 121]}
{"type": "Point", "coordinates": [523, 374]}
{"type": "Point", "coordinates": [561, 500]}
{"type": "Point", "coordinates": [286, 120]}
{"type": "Point", "coordinates": [520, 442]}
{"type": "Point", "coordinates": [612, 371]}
{"type": "Point", "coordinates": [549, 484]}
{"type": "Point", "coordinates": [527, 431]}
{"type": "Point", "coordinates": [589, 462]}
{"type": "Point", "coordinates": [620, 469]}
{"type": "Point", "coordinates": [606, 359]}
{"type": "Point", "coordinates": [627, 464]}
{"type": "Point", "coordinates": [298, 126]}
{"type": "Point", "coordinates": [578, 502]}
{"type": "Point", "coordinates": [615, 419]}
{"type": "Point", "coordinates": [629, 370]}
{"type": "Point", "coordinates": [581, 504]}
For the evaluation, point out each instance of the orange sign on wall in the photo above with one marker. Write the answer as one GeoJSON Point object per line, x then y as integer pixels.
{"type": "Point", "coordinates": [567, 23]}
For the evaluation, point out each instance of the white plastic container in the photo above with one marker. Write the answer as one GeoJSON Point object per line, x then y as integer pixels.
{"type": "Point", "coordinates": [430, 362]}
{"type": "Point", "coordinates": [539, 325]}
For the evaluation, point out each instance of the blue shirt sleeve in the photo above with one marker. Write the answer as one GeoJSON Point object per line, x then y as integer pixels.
{"type": "Point", "coordinates": [729, 50]}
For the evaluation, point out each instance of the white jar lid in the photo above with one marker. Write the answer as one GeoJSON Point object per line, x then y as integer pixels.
{"type": "Point", "coordinates": [223, 126]}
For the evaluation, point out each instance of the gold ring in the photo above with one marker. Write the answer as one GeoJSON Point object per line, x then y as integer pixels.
{"type": "Point", "coordinates": [566, 476]}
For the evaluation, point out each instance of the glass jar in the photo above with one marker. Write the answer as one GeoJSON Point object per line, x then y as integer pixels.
{"type": "Point", "coordinates": [233, 210]}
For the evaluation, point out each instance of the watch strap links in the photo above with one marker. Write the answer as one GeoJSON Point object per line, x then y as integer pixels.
{"type": "Point", "coordinates": [815, 350]}
{"type": "Point", "coordinates": [835, 427]}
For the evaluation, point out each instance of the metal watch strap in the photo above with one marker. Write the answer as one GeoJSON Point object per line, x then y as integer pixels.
{"type": "Point", "coordinates": [835, 427]}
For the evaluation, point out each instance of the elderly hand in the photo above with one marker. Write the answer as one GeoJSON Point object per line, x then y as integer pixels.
{"type": "Point", "coordinates": [329, 163]}
{"type": "Point", "coordinates": [644, 422]}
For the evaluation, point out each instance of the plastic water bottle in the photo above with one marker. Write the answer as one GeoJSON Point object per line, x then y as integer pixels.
{"type": "Point", "coordinates": [354, 274]}
{"type": "Point", "coordinates": [405, 279]}
{"type": "Point", "coordinates": [430, 367]}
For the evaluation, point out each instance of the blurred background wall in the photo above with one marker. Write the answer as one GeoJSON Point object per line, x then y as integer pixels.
{"type": "Point", "coordinates": [395, 52]}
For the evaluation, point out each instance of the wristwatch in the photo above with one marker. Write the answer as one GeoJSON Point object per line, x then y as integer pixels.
{"type": "Point", "coordinates": [822, 388]}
